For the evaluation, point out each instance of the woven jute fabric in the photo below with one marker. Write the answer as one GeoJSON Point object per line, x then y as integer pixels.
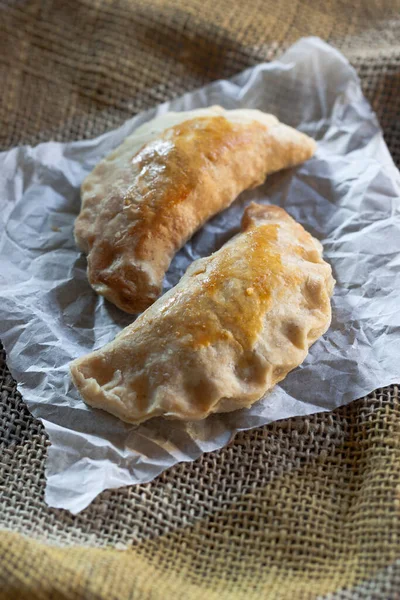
{"type": "Point", "coordinates": [301, 509]}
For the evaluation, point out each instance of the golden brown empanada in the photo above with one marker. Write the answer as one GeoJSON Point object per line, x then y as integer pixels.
{"type": "Point", "coordinates": [143, 201]}
{"type": "Point", "coordinates": [237, 322]}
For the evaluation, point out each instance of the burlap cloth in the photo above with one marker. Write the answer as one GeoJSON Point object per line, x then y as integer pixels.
{"type": "Point", "coordinates": [306, 508]}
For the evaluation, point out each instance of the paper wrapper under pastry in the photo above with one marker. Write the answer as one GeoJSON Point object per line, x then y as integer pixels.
{"type": "Point", "coordinates": [237, 322]}
{"type": "Point", "coordinates": [143, 201]}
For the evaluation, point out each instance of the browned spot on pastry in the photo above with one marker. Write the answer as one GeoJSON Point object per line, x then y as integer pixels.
{"type": "Point", "coordinates": [310, 254]}
{"type": "Point", "coordinates": [202, 391]}
{"type": "Point", "coordinates": [251, 369]}
{"type": "Point", "coordinates": [296, 334]}
{"type": "Point", "coordinates": [279, 373]}
{"type": "Point", "coordinates": [313, 292]}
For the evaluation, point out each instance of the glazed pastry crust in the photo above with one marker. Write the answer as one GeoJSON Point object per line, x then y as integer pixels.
{"type": "Point", "coordinates": [237, 322]}
{"type": "Point", "coordinates": [143, 201]}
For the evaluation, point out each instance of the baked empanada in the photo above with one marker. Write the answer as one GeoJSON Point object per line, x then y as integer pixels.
{"type": "Point", "coordinates": [237, 322]}
{"type": "Point", "coordinates": [143, 201]}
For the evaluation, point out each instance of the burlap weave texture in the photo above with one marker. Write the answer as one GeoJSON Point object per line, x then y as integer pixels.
{"type": "Point", "coordinates": [307, 508]}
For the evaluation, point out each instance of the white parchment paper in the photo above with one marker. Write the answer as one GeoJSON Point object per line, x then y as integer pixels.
{"type": "Point", "coordinates": [347, 196]}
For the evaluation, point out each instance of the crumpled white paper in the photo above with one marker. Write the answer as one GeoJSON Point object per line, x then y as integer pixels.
{"type": "Point", "coordinates": [347, 196]}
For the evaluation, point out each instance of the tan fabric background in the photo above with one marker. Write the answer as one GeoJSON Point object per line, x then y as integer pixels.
{"type": "Point", "coordinates": [304, 509]}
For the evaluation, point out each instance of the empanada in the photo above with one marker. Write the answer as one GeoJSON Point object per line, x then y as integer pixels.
{"type": "Point", "coordinates": [237, 322]}
{"type": "Point", "coordinates": [143, 201]}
